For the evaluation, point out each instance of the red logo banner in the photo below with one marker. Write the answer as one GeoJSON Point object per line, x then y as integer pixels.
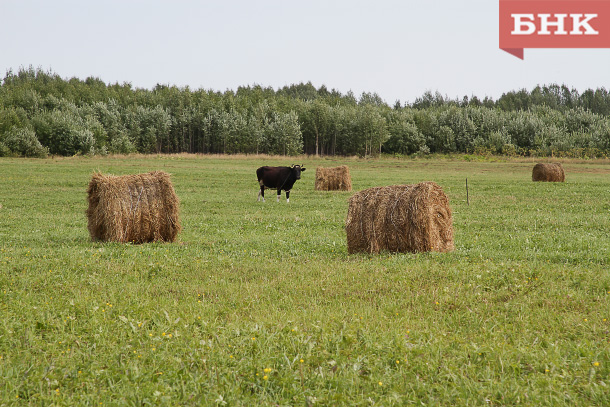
{"type": "Point", "coordinates": [553, 24]}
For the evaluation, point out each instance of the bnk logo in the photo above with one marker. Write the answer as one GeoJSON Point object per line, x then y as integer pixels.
{"type": "Point", "coordinates": [526, 25]}
{"type": "Point", "coordinates": [554, 24]}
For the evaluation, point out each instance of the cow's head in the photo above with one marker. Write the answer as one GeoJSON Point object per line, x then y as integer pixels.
{"type": "Point", "coordinates": [297, 169]}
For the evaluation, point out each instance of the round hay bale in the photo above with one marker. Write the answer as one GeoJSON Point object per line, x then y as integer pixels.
{"type": "Point", "coordinates": [333, 179]}
{"type": "Point", "coordinates": [548, 173]}
{"type": "Point", "coordinates": [400, 218]}
{"type": "Point", "coordinates": [133, 208]}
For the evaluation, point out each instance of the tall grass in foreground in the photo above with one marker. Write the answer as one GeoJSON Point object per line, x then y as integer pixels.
{"type": "Point", "coordinates": [260, 304]}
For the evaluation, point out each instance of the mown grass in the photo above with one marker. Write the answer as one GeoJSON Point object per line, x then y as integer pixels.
{"type": "Point", "coordinates": [260, 304]}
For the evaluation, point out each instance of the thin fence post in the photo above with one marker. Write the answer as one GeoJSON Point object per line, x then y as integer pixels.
{"type": "Point", "coordinates": [467, 197]}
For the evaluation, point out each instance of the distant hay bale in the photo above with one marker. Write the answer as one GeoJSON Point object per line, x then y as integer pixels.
{"type": "Point", "coordinates": [400, 218]}
{"type": "Point", "coordinates": [133, 208]}
{"type": "Point", "coordinates": [333, 179]}
{"type": "Point", "coordinates": [548, 173]}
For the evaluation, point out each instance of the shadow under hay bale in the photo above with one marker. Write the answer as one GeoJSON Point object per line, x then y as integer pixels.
{"type": "Point", "coordinates": [333, 179]}
{"type": "Point", "coordinates": [133, 208]}
{"type": "Point", "coordinates": [400, 218]}
{"type": "Point", "coordinates": [548, 173]}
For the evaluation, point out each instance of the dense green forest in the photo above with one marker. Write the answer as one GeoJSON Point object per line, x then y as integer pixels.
{"type": "Point", "coordinates": [42, 113]}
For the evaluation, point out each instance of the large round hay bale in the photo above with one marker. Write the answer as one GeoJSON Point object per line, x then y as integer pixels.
{"type": "Point", "coordinates": [400, 218]}
{"type": "Point", "coordinates": [548, 173]}
{"type": "Point", "coordinates": [133, 208]}
{"type": "Point", "coordinates": [333, 179]}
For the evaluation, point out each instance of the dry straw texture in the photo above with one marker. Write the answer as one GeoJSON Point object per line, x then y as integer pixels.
{"type": "Point", "coordinates": [133, 208]}
{"type": "Point", "coordinates": [333, 179]}
{"type": "Point", "coordinates": [548, 172]}
{"type": "Point", "coordinates": [400, 218]}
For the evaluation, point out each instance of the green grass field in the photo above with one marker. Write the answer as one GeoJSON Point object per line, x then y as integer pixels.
{"type": "Point", "coordinates": [260, 304]}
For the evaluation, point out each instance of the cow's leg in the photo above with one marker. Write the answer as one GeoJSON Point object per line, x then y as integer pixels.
{"type": "Point", "coordinates": [261, 193]}
{"type": "Point", "coordinates": [279, 194]}
{"type": "Point", "coordinates": [288, 196]}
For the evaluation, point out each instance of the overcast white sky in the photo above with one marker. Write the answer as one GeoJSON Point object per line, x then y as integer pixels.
{"type": "Point", "coordinates": [396, 48]}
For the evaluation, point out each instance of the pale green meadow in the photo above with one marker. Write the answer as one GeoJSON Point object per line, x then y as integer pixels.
{"type": "Point", "coordinates": [260, 304]}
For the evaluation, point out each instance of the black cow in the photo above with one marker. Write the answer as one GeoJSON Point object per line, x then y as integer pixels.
{"type": "Point", "coordinates": [278, 178]}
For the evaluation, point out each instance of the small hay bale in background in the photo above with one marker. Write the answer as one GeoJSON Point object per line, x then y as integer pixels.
{"type": "Point", "coordinates": [133, 208]}
{"type": "Point", "coordinates": [400, 218]}
{"type": "Point", "coordinates": [333, 179]}
{"type": "Point", "coordinates": [548, 172]}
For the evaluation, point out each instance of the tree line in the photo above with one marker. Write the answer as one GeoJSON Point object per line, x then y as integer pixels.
{"type": "Point", "coordinates": [42, 113]}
